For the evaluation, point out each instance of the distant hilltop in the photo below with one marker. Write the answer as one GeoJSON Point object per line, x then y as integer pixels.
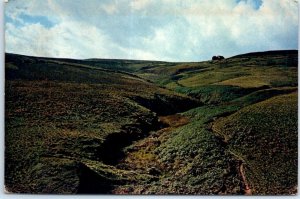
{"type": "Point", "coordinates": [268, 53]}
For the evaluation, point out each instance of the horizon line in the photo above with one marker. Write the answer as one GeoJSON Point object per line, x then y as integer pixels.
{"type": "Point", "coordinates": [126, 59]}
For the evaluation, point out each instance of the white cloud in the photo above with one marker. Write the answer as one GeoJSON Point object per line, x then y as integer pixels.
{"type": "Point", "coordinates": [110, 8]}
{"type": "Point", "coordinates": [177, 30]}
{"type": "Point", "coordinates": [139, 4]}
{"type": "Point", "coordinates": [68, 39]}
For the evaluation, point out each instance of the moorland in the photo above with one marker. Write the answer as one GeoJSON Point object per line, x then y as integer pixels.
{"type": "Point", "coordinates": [112, 126]}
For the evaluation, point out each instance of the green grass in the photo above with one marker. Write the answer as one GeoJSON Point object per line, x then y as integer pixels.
{"type": "Point", "coordinates": [268, 76]}
{"type": "Point", "coordinates": [68, 123]}
{"type": "Point", "coordinates": [264, 135]}
{"type": "Point", "coordinates": [214, 94]}
{"type": "Point", "coordinates": [270, 69]}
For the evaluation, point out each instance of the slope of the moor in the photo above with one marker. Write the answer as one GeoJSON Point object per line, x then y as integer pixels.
{"type": "Point", "coordinates": [65, 122]}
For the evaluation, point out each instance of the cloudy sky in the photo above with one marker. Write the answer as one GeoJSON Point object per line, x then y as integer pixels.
{"type": "Point", "coordinates": [169, 30]}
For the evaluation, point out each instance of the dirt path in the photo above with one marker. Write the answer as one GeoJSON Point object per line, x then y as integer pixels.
{"type": "Point", "coordinates": [247, 188]}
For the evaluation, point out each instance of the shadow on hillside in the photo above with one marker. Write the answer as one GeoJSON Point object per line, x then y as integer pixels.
{"type": "Point", "coordinates": [92, 183]}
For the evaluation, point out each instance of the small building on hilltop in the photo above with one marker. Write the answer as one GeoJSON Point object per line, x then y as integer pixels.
{"type": "Point", "coordinates": [218, 57]}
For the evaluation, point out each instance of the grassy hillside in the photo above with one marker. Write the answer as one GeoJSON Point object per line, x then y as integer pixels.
{"type": "Point", "coordinates": [239, 74]}
{"type": "Point", "coordinates": [144, 127]}
{"type": "Point", "coordinates": [62, 118]}
{"type": "Point", "coordinates": [264, 136]}
{"type": "Point", "coordinates": [109, 64]}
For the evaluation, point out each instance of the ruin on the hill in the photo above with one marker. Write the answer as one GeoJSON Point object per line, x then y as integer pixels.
{"type": "Point", "coordinates": [218, 57]}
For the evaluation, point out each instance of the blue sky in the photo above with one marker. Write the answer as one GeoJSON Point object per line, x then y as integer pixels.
{"type": "Point", "coordinates": [170, 30]}
{"type": "Point", "coordinates": [254, 3]}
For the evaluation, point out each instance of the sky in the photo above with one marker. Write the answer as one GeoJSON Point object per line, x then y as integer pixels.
{"type": "Point", "coordinates": [166, 30]}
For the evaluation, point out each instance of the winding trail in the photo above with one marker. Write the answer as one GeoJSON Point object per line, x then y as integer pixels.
{"type": "Point", "coordinates": [247, 188]}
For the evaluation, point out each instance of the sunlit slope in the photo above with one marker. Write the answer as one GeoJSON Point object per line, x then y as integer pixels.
{"type": "Point", "coordinates": [236, 76]}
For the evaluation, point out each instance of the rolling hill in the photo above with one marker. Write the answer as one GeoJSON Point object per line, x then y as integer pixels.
{"type": "Point", "coordinates": [148, 127]}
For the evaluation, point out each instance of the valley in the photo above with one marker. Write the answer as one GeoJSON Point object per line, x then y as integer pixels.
{"type": "Point", "coordinates": [100, 126]}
